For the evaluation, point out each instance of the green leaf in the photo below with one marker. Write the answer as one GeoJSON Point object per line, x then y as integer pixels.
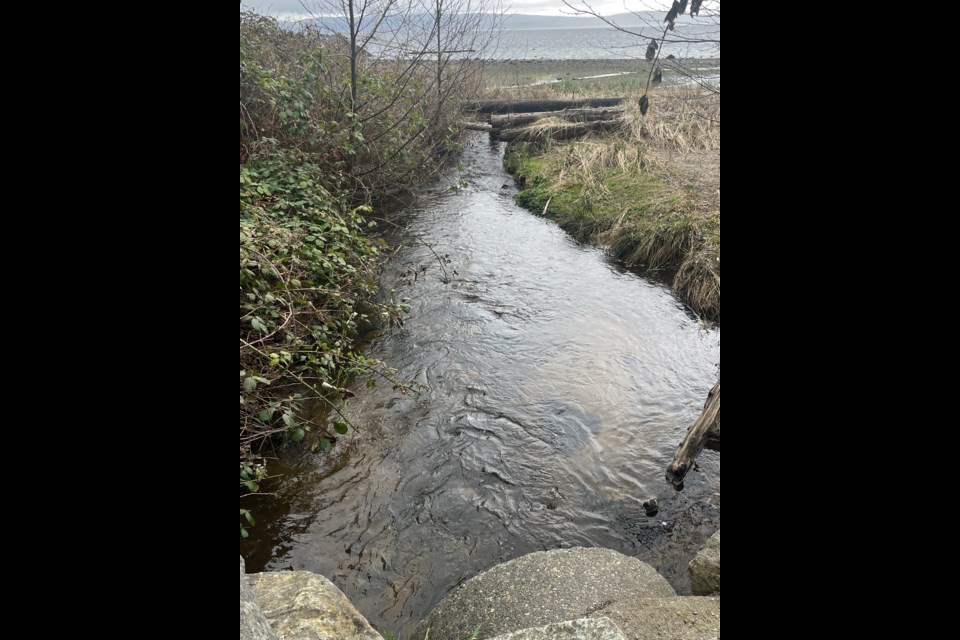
{"type": "Point", "coordinates": [340, 427]}
{"type": "Point", "coordinates": [252, 486]}
{"type": "Point", "coordinates": [257, 324]}
{"type": "Point", "coordinates": [325, 445]}
{"type": "Point", "coordinates": [297, 434]}
{"type": "Point", "coordinates": [249, 384]}
{"type": "Point", "coordinates": [243, 532]}
{"type": "Point", "coordinates": [266, 414]}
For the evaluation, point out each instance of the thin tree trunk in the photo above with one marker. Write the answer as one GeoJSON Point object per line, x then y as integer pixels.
{"type": "Point", "coordinates": [439, 58]}
{"type": "Point", "coordinates": [353, 59]}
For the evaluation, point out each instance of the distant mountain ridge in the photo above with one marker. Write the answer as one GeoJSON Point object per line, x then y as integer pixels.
{"type": "Point", "coordinates": [526, 21]}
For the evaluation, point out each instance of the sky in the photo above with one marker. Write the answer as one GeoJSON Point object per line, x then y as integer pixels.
{"type": "Point", "coordinates": [536, 7]}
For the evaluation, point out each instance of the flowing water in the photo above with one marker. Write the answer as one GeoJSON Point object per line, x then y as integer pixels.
{"type": "Point", "coordinates": [553, 389]}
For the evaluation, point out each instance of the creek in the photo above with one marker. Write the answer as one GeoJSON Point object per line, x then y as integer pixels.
{"type": "Point", "coordinates": [552, 388]}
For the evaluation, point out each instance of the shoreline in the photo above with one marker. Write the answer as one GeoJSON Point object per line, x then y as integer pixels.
{"type": "Point", "coordinates": [516, 72]}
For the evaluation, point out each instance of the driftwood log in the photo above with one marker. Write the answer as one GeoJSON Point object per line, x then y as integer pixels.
{"type": "Point", "coordinates": [531, 106]}
{"type": "Point", "coordinates": [557, 132]}
{"type": "Point", "coordinates": [704, 433]}
{"type": "Point", "coordinates": [512, 120]}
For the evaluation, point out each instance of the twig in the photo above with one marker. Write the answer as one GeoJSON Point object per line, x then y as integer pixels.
{"type": "Point", "coordinates": [656, 60]}
{"type": "Point", "coordinates": [429, 247]}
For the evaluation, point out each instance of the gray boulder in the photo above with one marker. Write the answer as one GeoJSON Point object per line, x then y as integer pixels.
{"type": "Point", "coordinates": [540, 589]}
{"type": "Point", "coordinates": [253, 626]}
{"type": "Point", "coordinates": [301, 605]}
{"type": "Point", "coordinates": [581, 629]}
{"type": "Point", "coordinates": [705, 568]}
{"type": "Point", "coordinates": [678, 618]}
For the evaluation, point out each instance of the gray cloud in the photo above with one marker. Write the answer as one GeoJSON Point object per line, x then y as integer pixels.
{"type": "Point", "coordinates": [541, 7]}
{"type": "Point", "coordinates": [274, 7]}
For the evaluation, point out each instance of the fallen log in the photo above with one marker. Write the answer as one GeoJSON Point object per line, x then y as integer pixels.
{"type": "Point", "coordinates": [704, 433]}
{"type": "Point", "coordinates": [477, 126]}
{"type": "Point", "coordinates": [511, 120]}
{"type": "Point", "coordinates": [531, 106]}
{"type": "Point", "coordinates": [557, 132]}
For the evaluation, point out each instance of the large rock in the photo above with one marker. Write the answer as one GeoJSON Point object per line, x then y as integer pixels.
{"type": "Point", "coordinates": [539, 589]}
{"type": "Point", "coordinates": [253, 626]}
{"type": "Point", "coordinates": [581, 629]}
{"type": "Point", "coordinates": [678, 618]}
{"type": "Point", "coordinates": [301, 605]}
{"type": "Point", "coordinates": [705, 568]}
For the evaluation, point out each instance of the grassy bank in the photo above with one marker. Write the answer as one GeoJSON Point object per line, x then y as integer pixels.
{"type": "Point", "coordinates": [650, 191]}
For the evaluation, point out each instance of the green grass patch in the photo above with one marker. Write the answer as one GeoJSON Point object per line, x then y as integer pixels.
{"type": "Point", "coordinates": [606, 192]}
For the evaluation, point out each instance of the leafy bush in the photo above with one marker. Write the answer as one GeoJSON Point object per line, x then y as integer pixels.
{"type": "Point", "coordinates": [305, 270]}
{"type": "Point", "coordinates": [295, 91]}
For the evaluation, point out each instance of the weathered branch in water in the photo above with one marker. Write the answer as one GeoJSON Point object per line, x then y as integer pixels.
{"type": "Point", "coordinates": [704, 433]}
{"type": "Point", "coordinates": [571, 115]}
{"type": "Point", "coordinates": [531, 106]}
{"type": "Point", "coordinates": [558, 132]}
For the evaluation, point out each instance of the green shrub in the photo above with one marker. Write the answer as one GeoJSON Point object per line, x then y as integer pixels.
{"type": "Point", "coordinates": [306, 267]}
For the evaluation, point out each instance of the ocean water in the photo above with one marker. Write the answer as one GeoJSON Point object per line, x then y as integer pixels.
{"type": "Point", "coordinates": [606, 43]}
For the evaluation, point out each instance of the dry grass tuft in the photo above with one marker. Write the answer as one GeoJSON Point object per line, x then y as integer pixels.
{"type": "Point", "coordinates": [682, 119]}
{"type": "Point", "coordinates": [698, 281]}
